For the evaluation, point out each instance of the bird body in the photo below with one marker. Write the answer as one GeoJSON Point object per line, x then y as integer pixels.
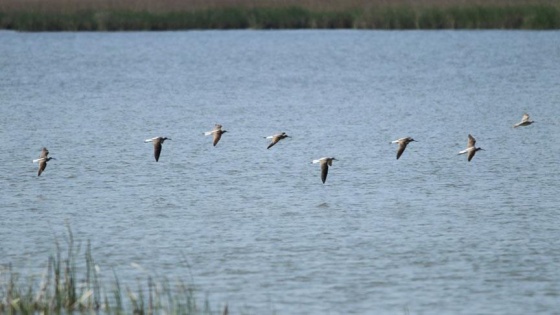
{"type": "Point", "coordinates": [43, 161]}
{"type": "Point", "coordinates": [524, 121]}
{"type": "Point", "coordinates": [157, 141]}
{"type": "Point", "coordinates": [325, 163]}
{"type": "Point", "coordinates": [471, 149]}
{"type": "Point", "coordinates": [275, 138]}
{"type": "Point", "coordinates": [217, 132]}
{"type": "Point", "coordinates": [403, 142]}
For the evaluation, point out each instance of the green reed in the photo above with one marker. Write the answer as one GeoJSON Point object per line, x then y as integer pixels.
{"type": "Point", "coordinates": [66, 286]}
{"type": "Point", "coordinates": [532, 15]}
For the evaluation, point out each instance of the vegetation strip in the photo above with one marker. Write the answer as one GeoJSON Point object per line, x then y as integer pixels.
{"type": "Point", "coordinates": [476, 16]}
{"type": "Point", "coordinates": [66, 287]}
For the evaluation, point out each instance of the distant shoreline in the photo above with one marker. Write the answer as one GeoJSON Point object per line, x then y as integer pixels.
{"type": "Point", "coordinates": [36, 16]}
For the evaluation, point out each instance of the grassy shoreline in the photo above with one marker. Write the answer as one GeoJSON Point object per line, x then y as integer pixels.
{"type": "Point", "coordinates": [130, 15]}
{"type": "Point", "coordinates": [69, 286]}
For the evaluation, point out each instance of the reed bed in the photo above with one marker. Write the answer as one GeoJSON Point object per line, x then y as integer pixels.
{"type": "Point", "coordinates": [122, 15]}
{"type": "Point", "coordinates": [66, 286]}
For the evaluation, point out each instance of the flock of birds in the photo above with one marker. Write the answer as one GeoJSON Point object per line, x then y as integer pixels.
{"type": "Point", "coordinates": [325, 162]}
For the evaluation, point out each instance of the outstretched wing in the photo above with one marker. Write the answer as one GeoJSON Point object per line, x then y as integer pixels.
{"type": "Point", "coordinates": [157, 150]}
{"type": "Point", "coordinates": [525, 117]}
{"type": "Point", "coordinates": [471, 141]}
{"type": "Point", "coordinates": [42, 166]}
{"type": "Point", "coordinates": [471, 155]}
{"type": "Point", "coordinates": [275, 140]}
{"type": "Point", "coordinates": [402, 146]}
{"type": "Point", "coordinates": [217, 137]}
{"type": "Point", "coordinates": [324, 171]}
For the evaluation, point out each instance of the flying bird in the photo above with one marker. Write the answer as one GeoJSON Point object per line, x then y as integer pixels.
{"type": "Point", "coordinates": [524, 121]}
{"type": "Point", "coordinates": [42, 160]}
{"type": "Point", "coordinates": [325, 163]}
{"type": "Point", "coordinates": [403, 142]}
{"type": "Point", "coordinates": [471, 149]}
{"type": "Point", "coordinates": [275, 138]}
{"type": "Point", "coordinates": [157, 141]}
{"type": "Point", "coordinates": [217, 132]}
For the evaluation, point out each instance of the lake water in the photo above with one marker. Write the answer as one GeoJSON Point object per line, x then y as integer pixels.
{"type": "Point", "coordinates": [429, 233]}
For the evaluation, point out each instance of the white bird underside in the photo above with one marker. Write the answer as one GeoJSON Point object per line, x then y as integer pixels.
{"type": "Point", "coordinates": [465, 151]}
{"type": "Point", "coordinates": [151, 140]}
{"type": "Point", "coordinates": [39, 160]}
{"type": "Point", "coordinates": [207, 133]}
{"type": "Point", "coordinates": [398, 140]}
{"type": "Point", "coordinates": [276, 135]}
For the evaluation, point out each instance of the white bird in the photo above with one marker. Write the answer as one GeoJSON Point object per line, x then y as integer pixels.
{"type": "Point", "coordinates": [275, 138]}
{"type": "Point", "coordinates": [471, 149]}
{"type": "Point", "coordinates": [403, 142]}
{"type": "Point", "coordinates": [325, 163]}
{"type": "Point", "coordinates": [157, 141]}
{"type": "Point", "coordinates": [217, 132]}
{"type": "Point", "coordinates": [524, 121]}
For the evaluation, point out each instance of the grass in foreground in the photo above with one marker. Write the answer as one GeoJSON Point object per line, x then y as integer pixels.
{"type": "Point", "coordinates": [116, 15]}
{"type": "Point", "coordinates": [69, 287]}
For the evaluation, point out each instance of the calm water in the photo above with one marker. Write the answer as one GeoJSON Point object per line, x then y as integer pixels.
{"type": "Point", "coordinates": [427, 234]}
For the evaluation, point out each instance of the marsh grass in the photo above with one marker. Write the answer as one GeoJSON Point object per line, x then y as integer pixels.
{"type": "Point", "coordinates": [106, 15]}
{"type": "Point", "coordinates": [68, 286]}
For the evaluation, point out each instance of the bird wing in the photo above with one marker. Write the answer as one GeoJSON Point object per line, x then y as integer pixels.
{"type": "Point", "coordinates": [157, 150]}
{"type": "Point", "coordinates": [324, 171]}
{"type": "Point", "coordinates": [42, 166]}
{"type": "Point", "coordinates": [471, 141]}
{"type": "Point", "coordinates": [274, 141]}
{"type": "Point", "coordinates": [217, 127]}
{"type": "Point", "coordinates": [471, 155]}
{"type": "Point", "coordinates": [402, 146]}
{"type": "Point", "coordinates": [217, 136]}
{"type": "Point", "coordinates": [44, 153]}
{"type": "Point", "coordinates": [525, 117]}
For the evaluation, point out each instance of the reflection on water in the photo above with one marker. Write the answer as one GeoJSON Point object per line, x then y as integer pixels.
{"type": "Point", "coordinates": [429, 232]}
